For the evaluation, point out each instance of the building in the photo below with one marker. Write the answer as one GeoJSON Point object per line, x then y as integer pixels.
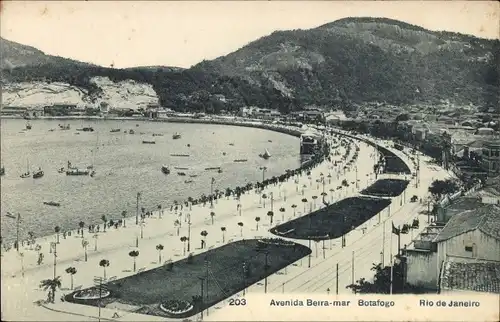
{"type": "Point", "coordinates": [491, 157]}
{"type": "Point", "coordinates": [457, 277]}
{"type": "Point", "coordinates": [471, 236]}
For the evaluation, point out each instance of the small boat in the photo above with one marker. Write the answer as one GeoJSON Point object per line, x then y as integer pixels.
{"type": "Point", "coordinates": [51, 203]}
{"type": "Point", "coordinates": [240, 160]}
{"type": "Point", "coordinates": [28, 126]}
{"type": "Point", "coordinates": [137, 125]}
{"type": "Point", "coordinates": [188, 145]}
{"type": "Point", "coordinates": [38, 174]}
{"type": "Point", "coordinates": [176, 136]}
{"type": "Point", "coordinates": [77, 172]}
{"type": "Point", "coordinates": [115, 130]}
{"type": "Point", "coordinates": [165, 169]}
{"type": "Point", "coordinates": [141, 133]}
{"type": "Point", "coordinates": [88, 129]}
{"type": "Point", "coordinates": [179, 155]}
{"type": "Point", "coordinates": [52, 130]}
{"type": "Point", "coordinates": [180, 168]}
{"type": "Point", "coordinates": [188, 181]}
{"type": "Point", "coordinates": [219, 171]}
{"type": "Point", "coordinates": [2, 171]}
{"type": "Point", "coordinates": [61, 170]}
{"type": "Point", "coordinates": [148, 142]}
{"type": "Point", "coordinates": [131, 132]}
{"type": "Point", "coordinates": [212, 168]}
{"type": "Point", "coordinates": [77, 133]}
{"type": "Point", "coordinates": [157, 134]}
{"type": "Point", "coordinates": [27, 174]}
{"type": "Point", "coordinates": [231, 144]}
{"type": "Point", "coordinates": [269, 140]}
{"type": "Point", "coordinates": [193, 175]}
{"type": "Point", "coordinates": [181, 173]}
{"type": "Point", "coordinates": [266, 155]}
{"type": "Point", "coordinates": [64, 127]}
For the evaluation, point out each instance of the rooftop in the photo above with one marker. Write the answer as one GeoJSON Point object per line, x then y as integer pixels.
{"type": "Point", "coordinates": [462, 204]}
{"type": "Point", "coordinates": [485, 218]}
{"type": "Point", "coordinates": [478, 277]}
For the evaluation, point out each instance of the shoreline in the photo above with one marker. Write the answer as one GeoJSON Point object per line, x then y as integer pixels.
{"type": "Point", "coordinates": [243, 122]}
{"type": "Point", "coordinates": [313, 161]}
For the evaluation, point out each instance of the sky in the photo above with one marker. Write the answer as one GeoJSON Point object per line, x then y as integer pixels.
{"type": "Point", "coordinates": [183, 33]}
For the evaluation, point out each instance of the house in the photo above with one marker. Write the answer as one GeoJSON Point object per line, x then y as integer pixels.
{"type": "Point", "coordinates": [491, 157]}
{"type": "Point", "coordinates": [457, 277]}
{"type": "Point", "coordinates": [470, 236]}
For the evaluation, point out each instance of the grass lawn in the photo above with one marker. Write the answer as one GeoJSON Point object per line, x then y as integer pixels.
{"type": "Point", "coordinates": [332, 221]}
{"type": "Point", "coordinates": [394, 164]}
{"type": "Point", "coordinates": [386, 188]}
{"type": "Point", "coordinates": [149, 289]}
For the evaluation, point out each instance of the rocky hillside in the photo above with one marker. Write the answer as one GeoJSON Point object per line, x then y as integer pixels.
{"type": "Point", "coordinates": [126, 94]}
{"type": "Point", "coordinates": [369, 59]}
{"type": "Point", "coordinates": [339, 64]}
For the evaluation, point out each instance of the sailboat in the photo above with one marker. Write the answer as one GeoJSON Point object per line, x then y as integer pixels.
{"type": "Point", "coordinates": [266, 155]}
{"type": "Point", "coordinates": [28, 126]}
{"type": "Point", "coordinates": [27, 174]}
{"type": "Point", "coordinates": [38, 174]}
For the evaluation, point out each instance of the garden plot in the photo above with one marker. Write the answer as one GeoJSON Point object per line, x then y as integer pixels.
{"type": "Point", "coordinates": [334, 220]}
{"type": "Point", "coordinates": [386, 188]}
{"type": "Point", "coordinates": [174, 289]}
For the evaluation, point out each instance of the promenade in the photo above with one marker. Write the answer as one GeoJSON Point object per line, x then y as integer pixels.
{"type": "Point", "coordinates": [21, 275]}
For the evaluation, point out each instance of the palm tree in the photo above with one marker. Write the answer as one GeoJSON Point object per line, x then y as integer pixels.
{"type": "Point", "coordinates": [294, 206]}
{"type": "Point", "coordinates": [84, 245]}
{"type": "Point", "coordinates": [264, 197]}
{"type": "Point", "coordinates": [177, 223]}
{"type": "Point", "coordinates": [134, 254]}
{"type": "Point", "coordinates": [324, 194]}
{"type": "Point", "coordinates": [257, 219]}
{"type": "Point", "coordinates": [212, 215]}
{"type": "Point", "coordinates": [71, 271]}
{"type": "Point", "coordinates": [81, 224]}
{"type": "Point", "coordinates": [204, 235]}
{"type": "Point", "coordinates": [331, 194]}
{"type": "Point", "coordinates": [105, 221]}
{"type": "Point", "coordinates": [184, 240]}
{"type": "Point", "coordinates": [314, 198]}
{"type": "Point", "coordinates": [124, 215]}
{"type": "Point", "coordinates": [104, 263]}
{"type": "Point", "coordinates": [270, 214]}
{"type": "Point", "coordinates": [159, 211]}
{"type": "Point", "coordinates": [57, 229]}
{"type": "Point", "coordinates": [304, 200]}
{"type": "Point", "coordinates": [52, 285]}
{"type": "Point", "coordinates": [282, 210]}
{"type": "Point", "coordinates": [223, 229]}
{"type": "Point", "coordinates": [241, 228]}
{"type": "Point", "coordinates": [159, 248]}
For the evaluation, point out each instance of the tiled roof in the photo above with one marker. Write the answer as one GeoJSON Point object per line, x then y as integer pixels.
{"type": "Point", "coordinates": [479, 277]}
{"type": "Point", "coordinates": [485, 218]}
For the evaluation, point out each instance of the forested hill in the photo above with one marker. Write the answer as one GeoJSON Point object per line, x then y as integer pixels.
{"type": "Point", "coordinates": [348, 61]}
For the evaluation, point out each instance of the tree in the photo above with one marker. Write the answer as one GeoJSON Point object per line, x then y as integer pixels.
{"type": "Point", "coordinates": [134, 255]}
{"type": "Point", "coordinates": [71, 271]}
{"type": "Point", "coordinates": [204, 235]}
{"type": "Point", "coordinates": [124, 215]}
{"type": "Point", "coordinates": [271, 215]}
{"type": "Point", "coordinates": [257, 219]}
{"type": "Point", "coordinates": [440, 188]}
{"type": "Point", "coordinates": [282, 210]}
{"type": "Point", "coordinates": [314, 198]}
{"type": "Point", "coordinates": [52, 285]}
{"type": "Point", "coordinates": [184, 240]}
{"type": "Point", "coordinates": [241, 228]}
{"type": "Point", "coordinates": [159, 248]}
{"type": "Point", "coordinates": [177, 223]}
{"type": "Point", "coordinates": [104, 263]}
{"type": "Point", "coordinates": [304, 201]}
{"type": "Point", "coordinates": [105, 221]}
{"type": "Point", "coordinates": [264, 197]}
{"type": "Point", "coordinates": [212, 215]}
{"type": "Point", "coordinates": [294, 206]}
{"type": "Point", "coordinates": [57, 230]}
{"type": "Point", "coordinates": [159, 211]}
{"type": "Point", "coordinates": [81, 224]}
{"type": "Point", "coordinates": [85, 243]}
{"type": "Point", "coordinates": [223, 229]}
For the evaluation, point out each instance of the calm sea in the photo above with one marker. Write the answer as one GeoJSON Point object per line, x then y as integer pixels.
{"type": "Point", "coordinates": [124, 166]}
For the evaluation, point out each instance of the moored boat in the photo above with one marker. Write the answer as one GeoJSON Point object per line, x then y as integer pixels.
{"type": "Point", "coordinates": [179, 155]}
{"type": "Point", "coordinates": [181, 168]}
{"type": "Point", "coordinates": [38, 174]}
{"type": "Point", "coordinates": [165, 169]}
{"type": "Point", "coordinates": [240, 160]}
{"type": "Point", "coordinates": [266, 155]}
{"type": "Point", "coordinates": [2, 171]}
{"type": "Point", "coordinates": [77, 172]}
{"type": "Point", "coordinates": [212, 168]}
{"type": "Point", "coordinates": [176, 136]}
{"type": "Point", "coordinates": [115, 130]}
{"type": "Point", "coordinates": [28, 126]}
{"type": "Point", "coordinates": [148, 142]}
{"type": "Point", "coordinates": [188, 181]}
{"type": "Point", "coordinates": [51, 203]}
{"type": "Point", "coordinates": [157, 134]}
{"type": "Point", "coordinates": [181, 173]}
{"type": "Point", "coordinates": [131, 132]}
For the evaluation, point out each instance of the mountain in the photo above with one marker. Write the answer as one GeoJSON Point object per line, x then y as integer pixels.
{"type": "Point", "coordinates": [369, 59]}
{"type": "Point", "coordinates": [340, 64]}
